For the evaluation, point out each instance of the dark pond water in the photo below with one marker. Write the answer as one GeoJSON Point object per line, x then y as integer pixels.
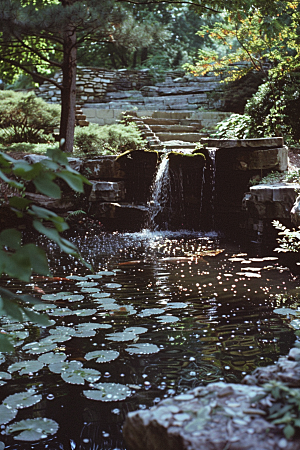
{"type": "Point", "coordinates": [165, 312]}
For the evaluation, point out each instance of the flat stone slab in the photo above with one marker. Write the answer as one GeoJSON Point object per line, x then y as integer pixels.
{"type": "Point", "coordinates": [270, 142]}
{"type": "Point", "coordinates": [107, 191]}
{"type": "Point", "coordinates": [216, 417]}
{"type": "Point", "coordinates": [275, 192]}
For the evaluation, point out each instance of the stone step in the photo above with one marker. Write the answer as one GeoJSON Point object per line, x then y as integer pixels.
{"type": "Point", "coordinates": [174, 128]}
{"type": "Point", "coordinates": [186, 137]}
{"type": "Point", "coordinates": [179, 145]}
{"type": "Point", "coordinates": [82, 123]}
{"type": "Point", "coordinates": [180, 114]}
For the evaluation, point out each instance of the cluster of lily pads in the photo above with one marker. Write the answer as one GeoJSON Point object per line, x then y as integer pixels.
{"type": "Point", "coordinates": [94, 303]}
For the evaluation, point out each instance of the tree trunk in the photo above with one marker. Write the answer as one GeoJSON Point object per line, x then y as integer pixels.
{"type": "Point", "coordinates": [68, 93]}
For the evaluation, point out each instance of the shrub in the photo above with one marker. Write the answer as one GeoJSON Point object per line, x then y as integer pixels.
{"type": "Point", "coordinates": [107, 139]}
{"type": "Point", "coordinates": [237, 126]}
{"type": "Point", "coordinates": [26, 118]}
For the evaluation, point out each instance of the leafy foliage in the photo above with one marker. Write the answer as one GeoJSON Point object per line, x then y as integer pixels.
{"type": "Point", "coordinates": [289, 240]}
{"type": "Point", "coordinates": [26, 118]}
{"type": "Point", "coordinates": [107, 139]}
{"type": "Point", "coordinates": [16, 259]}
{"type": "Point", "coordinates": [284, 407]}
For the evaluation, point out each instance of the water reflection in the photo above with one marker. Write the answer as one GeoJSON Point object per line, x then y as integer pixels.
{"type": "Point", "coordinates": [207, 308]}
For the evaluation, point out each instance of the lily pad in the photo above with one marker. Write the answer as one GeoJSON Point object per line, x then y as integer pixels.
{"type": "Point", "coordinates": [90, 290]}
{"type": "Point", "coordinates": [36, 348]}
{"type": "Point", "coordinates": [22, 400]}
{"type": "Point", "coordinates": [33, 429]}
{"type": "Point", "coordinates": [286, 311]}
{"type": "Point", "coordinates": [295, 324]}
{"type": "Point", "coordinates": [175, 305]}
{"type": "Point", "coordinates": [51, 358]}
{"type": "Point", "coordinates": [106, 273]}
{"type": "Point", "coordinates": [121, 336]}
{"type": "Point", "coordinates": [151, 311]}
{"type": "Point", "coordinates": [102, 356]}
{"type": "Point", "coordinates": [62, 312]}
{"type": "Point", "coordinates": [87, 283]}
{"type": "Point", "coordinates": [5, 376]}
{"type": "Point", "coordinates": [167, 319]}
{"type": "Point", "coordinates": [62, 330]}
{"type": "Point", "coordinates": [73, 297]}
{"type": "Point", "coordinates": [136, 330]}
{"type": "Point", "coordinates": [44, 306]}
{"type": "Point", "coordinates": [101, 294]}
{"type": "Point", "coordinates": [72, 372]}
{"type": "Point", "coordinates": [77, 277]}
{"type": "Point", "coordinates": [113, 285]}
{"type": "Point", "coordinates": [55, 296]}
{"type": "Point", "coordinates": [7, 414]}
{"type": "Point", "coordinates": [94, 276]}
{"type": "Point", "coordinates": [85, 312]}
{"type": "Point", "coordinates": [120, 309]}
{"type": "Point", "coordinates": [26, 367]}
{"type": "Point", "coordinates": [108, 392]}
{"type": "Point", "coordinates": [142, 349]}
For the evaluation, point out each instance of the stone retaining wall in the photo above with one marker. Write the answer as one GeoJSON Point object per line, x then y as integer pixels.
{"type": "Point", "coordinates": [94, 83]}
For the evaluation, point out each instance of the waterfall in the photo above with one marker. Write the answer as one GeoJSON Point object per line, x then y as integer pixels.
{"type": "Point", "coordinates": [160, 196]}
{"type": "Point", "coordinates": [212, 157]}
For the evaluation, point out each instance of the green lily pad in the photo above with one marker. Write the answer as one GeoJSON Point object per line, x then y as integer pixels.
{"type": "Point", "coordinates": [102, 356]}
{"type": "Point", "coordinates": [87, 283]}
{"type": "Point", "coordinates": [73, 297]}
{"type": "Point", "coordinates": [94, 276]}
{"type": "Point", "coordinates": [5, 376]}
{"type": "Point", "coordinates": [26, 367]}
{"type": "Point", "coordinates": [287, 311]}
{"type": "Point", "coordinates": [62, 312]}
{"type": "Point", "coordinates": [77, 277]}
{"type": "Point", "coordinates": [72, 372]}
{"type": "Point", "coordinates": [36, 348]}
{"type": "Point", "coordinates": [113, 285]}
{"type": "Point", "coordinates": [101, 294]}
{"type": "Point", "coordinates": [2, 445]}
{"type": "Point", "coordinates": [167, 319]}
{"type": "Point", "coordinates": [53, 297]}
{"type": "Point", "coordinates": [151, 311]}
{"type": "Point", "coordinates": [136, 330]}
{"type": "Point", "coordinates": [142, 349]}
{"type": "Point", "coordinates": [90, 290]}
{"type": "Point", "coordinates": [51, 358]}
{"type": "Point", "coordinates": [108, 392]}
{"type": "Point", "coordinates": [44, 306]}
{"type": "Point", "coordinates": [22, 400]}
{"type": "Point", "coordinates": [7, 414]}
{"type": "Point", "coordinates": [62, 330]}
{"type": "Point", "coordinates": [106, 273]}
{"type": "Point", "coordinates": [295, 324]}
{"type": "Point", "coordinates": [121, 336]}
{"type": "Point", "coordinates": [85, 312]}
{"type": "Point", "coordinates": [32, 429]}
{"type": "Point", "coordinates": [175, 305]}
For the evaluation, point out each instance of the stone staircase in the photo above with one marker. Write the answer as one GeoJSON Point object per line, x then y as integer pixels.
{"type": "Point", "coordinates": [169, 130]}
{"type": "Point", "coordinates": [80, 118]}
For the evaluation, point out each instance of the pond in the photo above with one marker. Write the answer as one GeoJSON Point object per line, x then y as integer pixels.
{"type": "Point", "coordinates": [162, 313]}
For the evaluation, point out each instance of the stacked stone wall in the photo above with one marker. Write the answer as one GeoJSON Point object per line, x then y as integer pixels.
{"type": "Point", "coordinates": [93, 84]}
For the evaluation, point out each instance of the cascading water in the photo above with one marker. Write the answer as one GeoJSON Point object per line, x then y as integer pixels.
{"type": "Point", "coordinates": [160, 195]}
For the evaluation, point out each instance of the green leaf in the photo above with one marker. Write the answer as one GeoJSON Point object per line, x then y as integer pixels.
{"type": "Point", "coordinates": [73, 180]}
{"type": "Point", "coordinates": [33, 429]}
{"type": "Point", "coordinates": [18, 265]}
{"type": "Point", "coordinates": [34, 317]}
{"type": "Point", "coordinates": [11, 238]}
{"type": "Point", "coordinates": [5, 344]}
{"type": "Point", "coordinates": [38, 259]}
{"type": "Point", "coordinates": [289, 431]}
{"type": "Point", "coordinates": [46, 186]}
{"type": "Point", "coordinates": [20, 203]}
